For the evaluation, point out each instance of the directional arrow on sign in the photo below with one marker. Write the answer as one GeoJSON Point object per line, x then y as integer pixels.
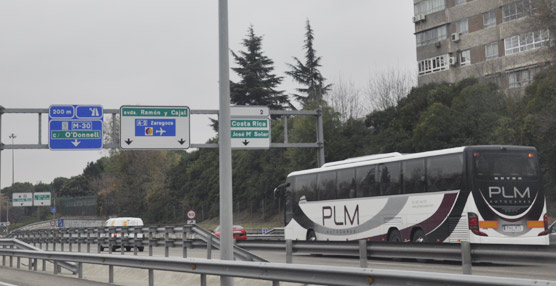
{"type": "Point", "coordinates": [75, 143]}
{"type": "Point", "coordinates": [245, 142]}
{"type": "Point", "coordinates": [128, 141]}
{"type": "Point", "coordinates": [181, 141]}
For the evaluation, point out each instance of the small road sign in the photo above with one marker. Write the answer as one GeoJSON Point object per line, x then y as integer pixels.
{"type": "Point", "coordinates": [53, 223]}
{"type": "Point", "coordinates": [75, 127]}
{"type": "Point", "coordinates": [250, 127]}
{"type": "Point", "coordinates": [191, 214]}
{"type": "Point", "coordinates": [42, 199]}
{"type": "Point", "coordinates": [60, 222]}
{"type": "Point", "coordinates": [22, 199]}
{"type": "Point", "coordinates": [52, 210]}
{"type": "Point", "coordinates": [154, 127]}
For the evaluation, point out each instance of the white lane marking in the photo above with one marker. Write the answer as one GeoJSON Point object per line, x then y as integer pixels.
{"type": "Point", "coordinates": [7, 284]}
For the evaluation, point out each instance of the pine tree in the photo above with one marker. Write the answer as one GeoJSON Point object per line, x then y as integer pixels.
{"type": "Point", "coordinates": [257, 85]}
{"type": "Point", "coordinates": [308, 74]}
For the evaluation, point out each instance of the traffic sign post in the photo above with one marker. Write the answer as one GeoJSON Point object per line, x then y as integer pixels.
{"type": "Point", "coordinates": [75, 127]}
{"type": "Point", "coordinates": [42, 199]}
{"type": "Point", "coordinates": [191, 215]}
{"type": "Point", "coordinates": [250, 127]}
{"type": "Point", "coordinates": [154, 127]}
{"type": "Point", "coordinates": [22, 199]}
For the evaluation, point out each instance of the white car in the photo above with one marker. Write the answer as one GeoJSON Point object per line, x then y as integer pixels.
{"type": "Point", "coordinates": [122, 222]}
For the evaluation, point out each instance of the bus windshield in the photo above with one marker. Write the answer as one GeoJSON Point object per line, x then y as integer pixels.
{"type": "Point", "coordinates": [502, 164]}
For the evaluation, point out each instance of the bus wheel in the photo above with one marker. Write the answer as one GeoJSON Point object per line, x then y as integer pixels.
{"type": "Point", "coordinates": [311, 236]}
{"type": "Point", "coordinates": [419, 236]}
{"type": "Point", "coordinates": [394, 236]}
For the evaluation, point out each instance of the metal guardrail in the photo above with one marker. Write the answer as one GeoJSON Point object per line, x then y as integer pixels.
{"type": "Point", "coordinates": [465, 252]}
{"type": "Point", "coordinates": [17, 244]}
{"type": "Point", "coordinates": [276, 272]}
{"type": "Point", "coordinates": [136, 238]}
{"type": "Point", "coordinates": [192, 236]}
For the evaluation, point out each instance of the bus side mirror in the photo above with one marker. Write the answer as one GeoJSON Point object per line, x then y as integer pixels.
{"type": "Point", "coordinates": [277, 189]}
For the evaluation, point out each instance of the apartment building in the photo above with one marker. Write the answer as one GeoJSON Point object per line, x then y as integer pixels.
{"type": "Point", "coordinates": [494, 40]}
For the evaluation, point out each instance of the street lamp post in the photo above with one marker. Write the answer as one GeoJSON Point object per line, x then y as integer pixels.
{"type": "Point", "coordinates": [13, 137]}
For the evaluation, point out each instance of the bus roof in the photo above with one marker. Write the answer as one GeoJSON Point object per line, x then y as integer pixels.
{"type": "Point", "coordinates": [353, 162]}
{"type": "Point", "coordinates": [362, 159]}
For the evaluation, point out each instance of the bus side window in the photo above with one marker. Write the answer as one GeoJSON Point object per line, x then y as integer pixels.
{"type": "Point", "coordinates": [444, 172]}
{"type": "Point", "coordinates": [414, 176]}
{"type": "Point", "coordinates": [346, 183]}
{"type": "Point", "coordinates": [390, 177]}
{"type": "Point", "coordinates": [366, 181]}
{"type": "Point", "coordinates": [326, 185]}
{"type": "Point", "coordinates": [306, 185]}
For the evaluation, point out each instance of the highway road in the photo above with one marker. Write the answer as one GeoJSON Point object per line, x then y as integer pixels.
{"type": "Point", "coordinates": [127, 276]}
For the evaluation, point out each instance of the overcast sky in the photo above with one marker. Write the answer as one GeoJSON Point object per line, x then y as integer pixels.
{"type": "Point", "coordinates": [165, 52]}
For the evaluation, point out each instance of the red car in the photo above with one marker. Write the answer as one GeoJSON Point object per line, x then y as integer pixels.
{"type": "Point", "coordinates": [239, 232]}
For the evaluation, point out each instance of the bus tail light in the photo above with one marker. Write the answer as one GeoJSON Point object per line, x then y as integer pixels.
{"type": "Point", "coordinates": [473, 220]}
{"type": "Point", "coordinates": [545, 220]}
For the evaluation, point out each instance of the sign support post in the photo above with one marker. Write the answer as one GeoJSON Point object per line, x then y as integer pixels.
{"type": "Point", "coordinates": [224, 141]}
{"type": "Point", "coordinates": [1, 148]}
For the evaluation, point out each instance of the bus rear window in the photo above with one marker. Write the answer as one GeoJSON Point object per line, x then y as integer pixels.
{"type": "Point", "coordinates": [503, 164]}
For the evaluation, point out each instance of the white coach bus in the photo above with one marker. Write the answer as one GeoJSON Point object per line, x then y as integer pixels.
{"type": "Point", "coordinates": [480, 194]}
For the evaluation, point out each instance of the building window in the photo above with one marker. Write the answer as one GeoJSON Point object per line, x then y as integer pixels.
{"type": "Point", "coordinates": [465, 57]}
{"type": "Point", "coordinates": [462, 26]}
{"type": "Point", "coordinates": [432, 36]}
{"type": "Point", "coordinates": [522, 77]}
{"type": "Point", "coordinates": [491, 50]}
{"type": "Point", "coordinates": [429, 6]}
{"type": "Point", "coordinates": [494, 78]}
{"type": "Point", "coordinates": [516, 10]}
{"type": "Point", "coordinates": [525, 42]}
{"type": "Point", "coordinates": [459, 2]}
{"type": "Point", "coordinates": [433, 65]}
{"type": "Point", "coordinates": [489, 19]}
{"type": "Point", "coordinates": [519, 78]}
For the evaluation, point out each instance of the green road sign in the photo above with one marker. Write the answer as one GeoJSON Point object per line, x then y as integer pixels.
{"type": "Point", "coordinates": [250, 127]}
{"type": "Point", "coordinates": [250, 134]}
{"type": "Point", "coordinates": [155, 111]}
{"type": "Point", "coordinates": [42, 199]}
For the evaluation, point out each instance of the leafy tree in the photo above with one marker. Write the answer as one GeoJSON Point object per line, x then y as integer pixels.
{"type": "Point", "coordinates": [77, 186]}
{"type": "Point", "coordinates": [480, 106]}
{"type": "Point", "coordinates": [437, 128]}
{"type": "Point", "coordinates": [258, 84]}
{"type": "Point", "coordinates": [308, 73]}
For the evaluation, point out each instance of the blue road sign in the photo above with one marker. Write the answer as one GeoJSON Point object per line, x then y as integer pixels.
{"type": "Point", "coordinates": [52, 210]}
{"type": "Point", "coordinates": [60, 222]}
{"type": "Point", "coordinates": [75, 127]}
{"type": "Point", "coordinates": [155, 127]}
